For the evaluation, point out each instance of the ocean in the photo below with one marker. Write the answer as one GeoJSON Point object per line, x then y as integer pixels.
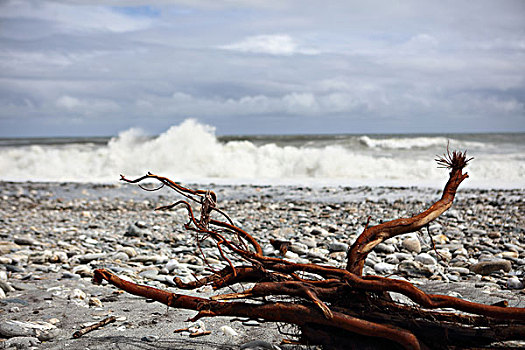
{"type": "Point", "coordinates": [192, 153]}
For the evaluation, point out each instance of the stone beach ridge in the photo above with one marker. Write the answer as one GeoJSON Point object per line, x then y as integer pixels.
{"type": "Point", "coordinates": [53, 235]}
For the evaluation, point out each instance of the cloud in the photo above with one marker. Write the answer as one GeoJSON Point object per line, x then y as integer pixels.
{"type": "Point", "coordinates": [88, 106]}
{"type": "Point", "coordinates": [298, 63]}
{"type": "Point", "coordinates": [66, 17]}
{"type": "Point", "coordinates": [277, 44]}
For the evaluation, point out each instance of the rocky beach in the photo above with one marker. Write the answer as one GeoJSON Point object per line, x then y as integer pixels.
{"type": "Point", "coordinates": [54, 235]}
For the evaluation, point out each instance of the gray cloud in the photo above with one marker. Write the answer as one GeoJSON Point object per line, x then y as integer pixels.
{"type": "Point", "coordinates": [84, 67]}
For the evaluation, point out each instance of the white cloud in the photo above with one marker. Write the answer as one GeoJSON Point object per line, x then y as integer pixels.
{"type": "Point", "coordinates": [277, 44]}
{"type": "Point", "coordinates": [74, 17]}
{"type": "Point", "coordinates": [87, 106]}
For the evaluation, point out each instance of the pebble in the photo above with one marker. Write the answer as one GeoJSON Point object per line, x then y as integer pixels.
{"type": "Point", "coordinates": [385, 248]}
{"type": "Point", "coordinates": [259, 345]}
{"type": "Point", "coordinates": [20, 342]}
{"type": "Point", "coordinates": [338, 247]}
{"type": "Point", "coordinates": [514, 283]}
{"type": "Point", "coordinates": [425, 259]}
{"type": "Point", "coordinates": [489, 266]}
{"type": "Point", "coordinates": [40, 329]}
{"type": "Point", "coordinates": [309, 242]}
{"type": "Point", "coordinates": [414, 269]}
{"type": "Point", "coordinates": [412, 244]}
{"type": "Point", "coordinates": [228, 331]}
{"type": "Point", "coordinates": [300, 248]}
{"type": "Point", "coordinates": [150, 338]}
{"type": "Point", "coordinates": [384, 268]}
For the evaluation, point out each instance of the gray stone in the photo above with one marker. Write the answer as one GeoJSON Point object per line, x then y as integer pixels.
{"type": "Point", "coordinates": [487, 267]}
{"type": "Point", "coordinates": [8, 247]}
{"type": "Point", "coordinates": [13, 328]}
{"type": "Point", "coordinates": [83, 270]}
{"type": "Point", "coordinates": [385, 248]}
{"type": "Point", "coordinates": [319, 253]}
{"type": "Point", "coordinates": [90, 257]}
{"type": "Point", "coordinates": [150, 273]}
{"type": "Point", "coordinates": [392, 259]}
{"type": "Point", "coordinates": [26, 240]}
{"type": "Point", "coordinates": [412, 244]}
{"type": "Point", "coordinates": [425, 259]}
{"type": "Point", "coordinates": [338, 247]}
{"type": "Point", "coordinates": [514, 283]}
{"type": "Point", "coordinates": [403, 256]}
{"type": "Point", "coordinates": [309, 241]}
{"type": "Point", "coordinates": [20, 343]}
{"type": "Point", "coordinates": [414, 269]}
{"type": "Point", "coordinates": [258, 345]}
{"type": "Point", "coordinates": [318, 231]}
{"type": "Point", "coordinates": [384, 268]}
{"type": "Point", "coordinates": [460, 270]}
{"type": "Point", "coordinates": [134, 231]}
{"type": "Point", "coordinates": [299, 248]}
{"type": "Point", "coordinates": [150, 338]}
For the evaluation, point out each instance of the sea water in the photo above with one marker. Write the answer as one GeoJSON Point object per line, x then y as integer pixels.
{"type": "Point", "coordinates": [192, 152]}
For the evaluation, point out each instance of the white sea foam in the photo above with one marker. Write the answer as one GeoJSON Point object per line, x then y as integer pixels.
{"type": "Point", "coordinates": [416, 142]}
{"type": "Point", "coordinates": [191, 152]}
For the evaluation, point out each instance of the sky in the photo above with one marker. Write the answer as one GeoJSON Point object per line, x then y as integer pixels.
{"type": "Point", "coordinates": [95, 68]}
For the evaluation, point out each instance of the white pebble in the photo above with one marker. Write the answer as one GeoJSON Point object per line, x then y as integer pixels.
{"type": "Point", "coordinates": [227, 330]}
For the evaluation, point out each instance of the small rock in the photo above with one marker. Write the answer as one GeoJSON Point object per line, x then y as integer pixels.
{"type": "Point", "coordinates": [26, 240]}
{"type": "Point", "coordinates": [412, 244]}
{"type": "Point", "coordinates": [135, 231]}
{"type": "Point", "coordinates": [384, 268]}
{"type": "Point", "coordinates": [21, 342]}
{"type": "Point", "coordinates": [338, 247]}
{"type": "Point", "coordinates": [425, 259]}
{"type": "Point", "coordinates": [318, 231]}
{"type": "Point", "coordinates": [403, 256]}
{"type": "Point", "coordinates": [149, 273]}
{"type": "Point", "coordinates": [385, 248]}
{"type": "Point", "coordinates": [172, 264]}
{"type": "Point", "coordinates": [290, 255]}
{"type": "Point", "coordinates": [12, 328]}
{"type": "Point", "coordinates": [6, 286]}
{"type": "Point", "coordinates": [414, 269]}
{"type": "Point", "coordinates": [83, 270]}
{"type": "Point", "coordinates": [259, 345]}
{"type": "Point", "coordinates": [95, 302]}
{"type": "Point", "coordinates": [511, 254]}
{"type": "Point", "coordinates": [487, 267]}
{"type": "Point", "coordinates": [130, 251]}
{"type": "Point", "coordinates": [8, 247]}
{"type": "Point", "coordinates": [228, 331]}
{"type": "Point", "coordinates": [392, 259]}
{"type": "Point", "coordinates": [77, 294]}
{"type": "Point", "coordinates": [84, 259]}
{"type": "Point", "coordinates": [319, 253]}
{"type": "Point", "coordinates": [141, 224]}
{"type": "Point", "coordinates": [156, 259]}
{"type": "Point", "coordinates": [150, 338]}
{"type": "Point", "coordinates": [299, 248]}
{"type": "Point", "coordinates": [309, 242]}
{"type": "Point", "coordinates": [514, 283]}
{"type": "Point", "coordinates": [460, 270]}
{"type": "Point", "coordinates": [120, 256]}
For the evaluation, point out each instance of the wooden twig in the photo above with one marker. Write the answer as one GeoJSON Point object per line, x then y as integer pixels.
{"type": "Point", "coordinates": [97, 325]}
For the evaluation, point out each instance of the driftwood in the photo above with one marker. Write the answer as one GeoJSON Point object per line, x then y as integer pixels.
{"type": "Point", "coordinates": [338, 308]}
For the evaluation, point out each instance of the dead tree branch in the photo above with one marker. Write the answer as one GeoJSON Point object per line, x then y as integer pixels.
{"type": "Point", "coordinates": [331, 306]}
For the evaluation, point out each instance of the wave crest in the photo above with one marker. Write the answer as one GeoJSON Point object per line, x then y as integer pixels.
{"type": "Point", "coordinates": [191, 152]}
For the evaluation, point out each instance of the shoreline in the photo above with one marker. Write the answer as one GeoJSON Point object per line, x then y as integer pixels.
{"type": "Point", "coordinates": [53, 235]}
